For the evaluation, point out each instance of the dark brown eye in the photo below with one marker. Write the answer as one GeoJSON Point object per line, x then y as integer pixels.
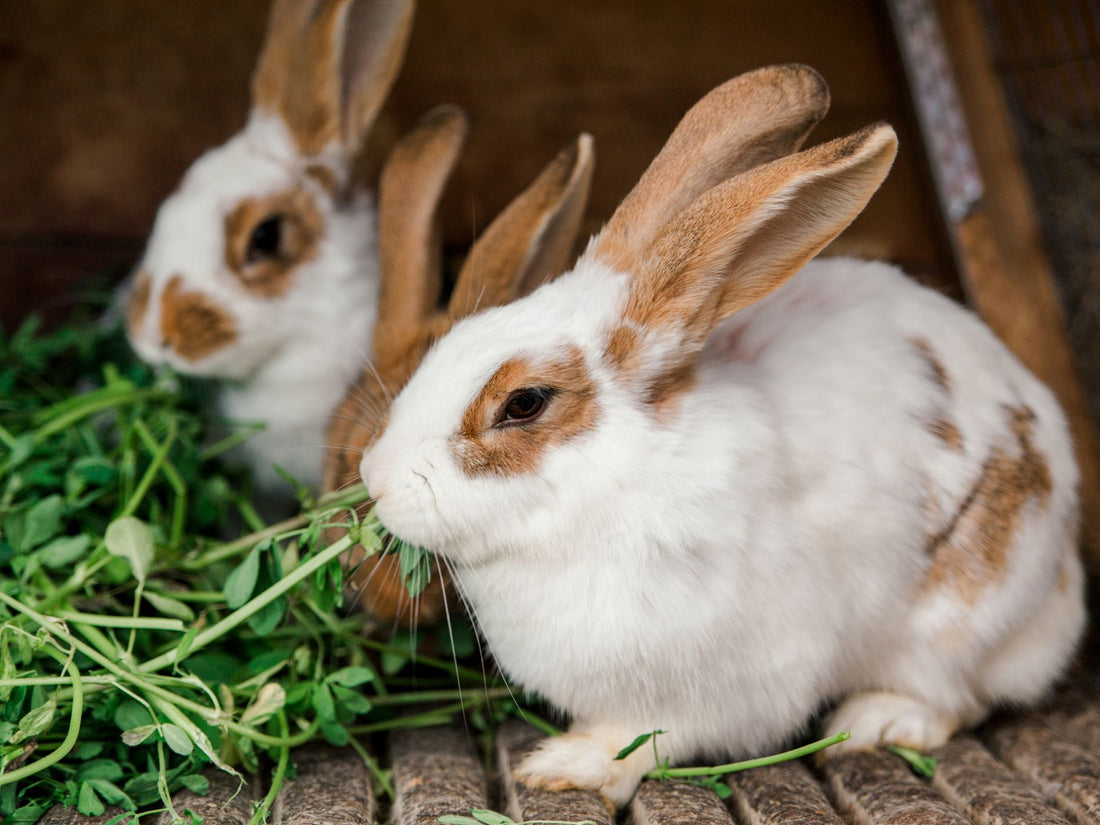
{"type": "Point", "coordinates": [266, 240]}
{"type": "Point", "coordinates": [523, 406]}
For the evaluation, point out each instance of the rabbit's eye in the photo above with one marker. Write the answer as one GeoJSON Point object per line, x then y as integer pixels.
{"type": "Point", "coordinates": [523, 406]}
{"type": "Point", "coordinates": [266, 239]}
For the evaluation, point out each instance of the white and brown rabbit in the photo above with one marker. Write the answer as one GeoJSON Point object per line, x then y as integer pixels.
{"type": "Point", "coordinates": [703, 484]}
{"type": "Point", "coordinates": [261, 269]}
{"type": "Point", "coordinates": [531, 241]}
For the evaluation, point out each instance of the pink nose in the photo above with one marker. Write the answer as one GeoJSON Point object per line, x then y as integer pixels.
{"type": "Point", "coordinates": [374, 475]}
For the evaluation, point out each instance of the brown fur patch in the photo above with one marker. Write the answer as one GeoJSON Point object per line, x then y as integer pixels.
{"type": "Point", "coordinates": [326, 178]}
{"type": "Point", "coordinates": [192, 324]}
{"type": "Point", "coordinates": [971, 552]}
{"type": "Point", "coordinates": [482, 449]}
{"type": "Point", "coordinates": [301, 230]}
{"type": "Point", "coordinates": [935, 367]}
{"type": "Point", "coordinates": [138, 303]}
{"type": "Point", "coordinates": [946, 432]}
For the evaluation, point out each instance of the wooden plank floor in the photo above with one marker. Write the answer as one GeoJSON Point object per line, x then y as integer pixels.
{"type": "Point", "coordinates": [1040, 767]}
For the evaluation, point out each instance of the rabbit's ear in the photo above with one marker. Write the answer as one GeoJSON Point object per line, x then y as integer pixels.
{"type": "Point", "coordinates": [409, 191]}
{"type": "Point", "coordinates": [532, 239]}
{"type": "Point", "coordinates": [750, 120]}
{"type": "Point", "coordinates": [326, 66]}
{"type": "Point", "coordinates": [740, 241]}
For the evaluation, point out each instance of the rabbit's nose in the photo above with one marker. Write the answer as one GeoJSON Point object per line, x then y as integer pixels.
{"type": "Point", "coordinates": [374, 475]}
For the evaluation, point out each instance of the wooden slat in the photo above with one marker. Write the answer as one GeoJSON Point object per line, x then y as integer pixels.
{"type": "Point", "coordinates": [877, 788]}
{"type": "Point", "coordinates": [1006, 271]}
{"type": "Point", "coordinates": [676, 803]}
{"type": "Point", "coordinates": [523, 803]}
{"type": "Point", "coordinates": [781, 794]}
{"type": "Point", "coordinates": [986, 790]}
{"type": "Point", "coordinates": [435, 772]}
{"type": "Point", "coordinates": [60, 815]}
{"type": "Point", "coordinates": [333, 787]}
{"type": "Point", "coordinates": [227, 803]}
{"type": "Point", "coordinates": [1067, 775]}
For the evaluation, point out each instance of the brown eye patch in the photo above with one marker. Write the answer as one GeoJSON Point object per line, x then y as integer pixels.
{"type": "Point", "coordinates": [139, 300]}
{"type": "Point", "coordinates": [522, 411]}
{"type": "Point", "coordinates": [192, 324]}
{"type": "Point", "coordinates": [267, 238]}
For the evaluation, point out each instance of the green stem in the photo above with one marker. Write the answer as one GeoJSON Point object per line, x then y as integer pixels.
{"type": "Point", "coordinates": [123, 622]}
{"type": "Point", "coordinates": [73, 734]}
{"type": "Point", "coordinates": [259, 815]}
{"type": "Point", "coordinates": [734, 767]}
{"type": "Point", "coordinates": [373, 767]}
{"type": "Point", "coordinates": [100, 400]}
{"type": "Point", "coordinates": [441, 664]}
{"type": "Point", "coordinates": [250, 608]}
{"type": "Point", "coordinates": [337, 500]}
{"type": "Point", "coordinates": [424, 696]}
{"type": "Point", "coordinates": [159, 454]}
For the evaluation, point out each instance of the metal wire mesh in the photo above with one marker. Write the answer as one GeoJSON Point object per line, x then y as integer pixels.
{"type": "Point", "coordinates": [1048, 53]}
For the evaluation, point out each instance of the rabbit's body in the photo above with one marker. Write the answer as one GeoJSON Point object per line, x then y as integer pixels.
{"type": "Point", "coordinates": [701, 485]}
{"type": "Point", "coordinates": [728, 595]}
{"type": "Point", "coordinates": [278, 342]}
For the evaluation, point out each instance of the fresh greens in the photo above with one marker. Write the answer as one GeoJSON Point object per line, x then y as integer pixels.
{"type": "Point", "coordinates": [137, 644]}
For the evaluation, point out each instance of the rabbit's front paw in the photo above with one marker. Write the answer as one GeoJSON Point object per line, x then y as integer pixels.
{"type": "Point", "coordinates": [586, 761]}
{"type": "Point", "coordinates": [883, 718]}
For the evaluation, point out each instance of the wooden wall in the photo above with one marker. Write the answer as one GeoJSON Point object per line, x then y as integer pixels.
{"type": "Point", "coordinates": [106, 103]}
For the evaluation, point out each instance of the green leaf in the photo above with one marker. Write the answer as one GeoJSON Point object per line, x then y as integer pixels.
{"type": "Point", "coordinates": [26, 814]}
{"type": "Point", "coordinates": [241, 581]}
{"type": "Point", "coordinates": [89, 803]}
{"type": "Point", "coordinates": [637, 743]}
{"type": "Point", "coordinates": [110, 793]}
{"type": "Point", "coordinates": [21, 450]}
{"type": "Point", "coordinates": [99, 769]}
{"type": "Point", "coordinates": [35, 722]}
{"type": "Point", "coordinates": [132, 714]}
{"type": "Point", "coordinates": [95, 469]}
{"type": "Point", "coordinates": [135, 736]}
{"type": "Point", "coordinates": [176, 739]}
{"type": "Point", "coordinates": [196, 783]}
{"type": "Point", "coordinates": [457, 819]}
{"type": "Point", "coordinates": [335, 735]}
{"type": "Point", "coordinates": [170, 607]}
{"type": "Point", "coordinates": [488, 817]}
{"type": "Point", "coordinates": [351, 676]}
{"type": "Point", "coordinates": [351, 700]}
{"type": "Point", "coordinates": [63, 551]}
{"type": "Point", "coordinates": [268, 617]}
{"type": "Point", "coordinates": [324, 704]}
{"type": "Point", "coordinates": [131, 539]}
{"type": "Point", "coordinates": [43, 522]}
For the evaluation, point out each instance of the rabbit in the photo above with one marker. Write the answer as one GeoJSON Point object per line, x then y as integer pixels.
{"type": "Point", "coordinates": [530, 241]}
{"type": "Point", "coordinates": [704, 484]}
{"type": "Point", "coordinates": [261, 270]}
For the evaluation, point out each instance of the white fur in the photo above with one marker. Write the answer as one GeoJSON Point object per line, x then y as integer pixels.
{"type": "Point", "coordinates": [296, 353]}
{"type": "Point", "coordinates": [723, 571]}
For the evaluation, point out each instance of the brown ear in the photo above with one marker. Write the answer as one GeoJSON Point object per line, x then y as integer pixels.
{"type": "Point", "coordinates": [409, 191]}
{"type": "Point", "coordinates": [744, 238]}
{"type": "Point", "coordinates": [321, 58]}
{"type": "Point", "coordinates": [378, 34]}
{"type": "Point", "coordinates": [532, 239]}
{"type": "Point", "coordinates": [752, 119]}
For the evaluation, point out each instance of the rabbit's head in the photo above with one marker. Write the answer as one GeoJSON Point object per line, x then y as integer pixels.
{"type": "Point", "coordinates": [531, 241]}
{"type": "Point", "coordinates": [266, 236]}
{"type": "Point", "coordinates": [529, 421]}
